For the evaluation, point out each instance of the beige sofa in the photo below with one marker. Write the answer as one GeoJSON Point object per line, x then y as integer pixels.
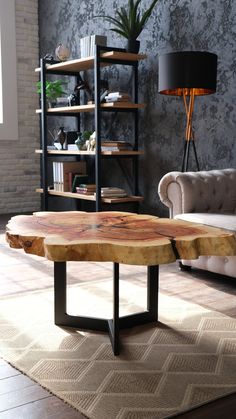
{"type": "Point", "coordinates": [207, 197]}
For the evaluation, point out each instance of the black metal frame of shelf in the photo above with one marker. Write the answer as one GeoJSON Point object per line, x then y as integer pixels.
{"type": "Point", "coordinates": [97, 115]}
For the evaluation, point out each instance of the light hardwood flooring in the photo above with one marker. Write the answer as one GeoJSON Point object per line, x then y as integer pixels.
{"type": "Point", "coordinates": [21, 398]}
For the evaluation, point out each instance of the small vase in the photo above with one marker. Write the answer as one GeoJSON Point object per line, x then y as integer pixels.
{"type": "Point", "coordinates": [133, 46]}
{"type": "Point", "coordinates": [80, 142]}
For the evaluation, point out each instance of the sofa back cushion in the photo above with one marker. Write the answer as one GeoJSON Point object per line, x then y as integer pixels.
{"type": "Point", "coordinates": [209, 191]}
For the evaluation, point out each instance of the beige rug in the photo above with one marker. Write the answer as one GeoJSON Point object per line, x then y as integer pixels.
{"type": "Point", "coordinates": [188, 359]}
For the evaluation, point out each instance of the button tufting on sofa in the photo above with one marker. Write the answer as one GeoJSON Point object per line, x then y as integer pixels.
{"type": "Point", "coordinates": [216, 207]}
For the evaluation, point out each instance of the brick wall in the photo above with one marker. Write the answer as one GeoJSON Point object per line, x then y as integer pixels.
{"type": "Point", "coordinates": [19, 166]}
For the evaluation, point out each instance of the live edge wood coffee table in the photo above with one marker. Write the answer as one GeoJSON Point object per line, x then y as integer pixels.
{"type": "Point", "coordinates": [118, 237]}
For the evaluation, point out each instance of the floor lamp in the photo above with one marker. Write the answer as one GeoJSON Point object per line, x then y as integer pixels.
{"type": "Point", "coordinates": [188, 74]}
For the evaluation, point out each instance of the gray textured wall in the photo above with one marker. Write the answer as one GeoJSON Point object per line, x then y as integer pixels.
{"type": "Point", "coordinates": [174, 25]}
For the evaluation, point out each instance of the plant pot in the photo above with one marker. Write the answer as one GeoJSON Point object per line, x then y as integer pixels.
{"type": "Point", "coordinates": [133, 46]}
{"type": "Point", "coordinates": [51, 103]}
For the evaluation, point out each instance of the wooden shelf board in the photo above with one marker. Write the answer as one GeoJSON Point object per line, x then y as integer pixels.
{"type": "Point", "coordinates": [126, 56]}
{"type": "Point", "coordinates": [130, 198]}
{"type": "Point", "coordinates": [123, 105]}
{"type": "Point", "coordinates": [92, 197]}
{"type": "Point", "coordinates": [90, 108]}
{"type": "Point", "coordinates": [68, 152]}
{"type": "Point", "coordinates": [70, 109]}
{"type": "Point", "coordinates": [86, 63]}
{"type": "Point", "coordinates": [122, 153]}
{"type": "Point", "coordinates": [92, 153]}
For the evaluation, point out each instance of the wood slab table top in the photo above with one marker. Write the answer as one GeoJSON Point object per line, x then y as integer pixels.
{"type": "Point", "coordinates": [122, 237]}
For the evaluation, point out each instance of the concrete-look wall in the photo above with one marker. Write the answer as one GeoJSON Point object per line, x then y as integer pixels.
{"type": "Point", "coordinates": [205, 25]}
{"type": "Point", "coordinates": [19, 166]}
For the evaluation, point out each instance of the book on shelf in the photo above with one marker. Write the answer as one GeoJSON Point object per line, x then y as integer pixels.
{"type": "Point", "coordinates": [112, 192]}
{"type": "Point", "coordinates": [87, 44]}
{"type": "Point", "coordinates": [115, 146]}
{"type": "Point", "coordinates": [114, 195]}
{"type": "Point", "coordinates": [97, 40]}
{"type": "Point", "coordinates": [123, 94]}
{"type": "Point", "coordinates": [118, 97]}
{"type": "Point", "coordinates": [86, 188]}
{"type": "Point", "coordinates": [77, 179]}
{"type": "Point", "coordinates": [85, 191]}
{"type": "Point", "coordinates": [61, 171]}
{"type": "Point", "coordinates": [87, 185]}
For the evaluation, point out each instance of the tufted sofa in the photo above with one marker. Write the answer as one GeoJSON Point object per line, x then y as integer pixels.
{"type": "Point", "coordinates": [207, 197]}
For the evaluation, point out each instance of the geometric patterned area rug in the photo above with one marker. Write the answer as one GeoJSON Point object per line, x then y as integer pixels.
{"type": "Point", "coordinates": [186, 359]}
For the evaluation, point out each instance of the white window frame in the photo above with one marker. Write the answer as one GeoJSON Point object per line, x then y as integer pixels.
{"type": "Point", "coordinates": [8, 79]}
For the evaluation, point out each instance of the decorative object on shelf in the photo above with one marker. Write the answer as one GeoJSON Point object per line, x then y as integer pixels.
{"type": "Point", "coordinates": [61, 137]}
{"type": "Point", "coordinates": [54, 90]}
{"type": "Point", "coordinates": [62, 52]}
{"type": "Point", "coordinates": [80, 142]}
{"type": "Point", "coordinates": [72, 100]}
{"type": "Point", "coordinates": [81, 85]}
{"type": "Point", "coordinates": [48, 56]}
{"type": "Point", "coordinates": [188, 74]}
{"type": "Point", "coordinates": [91, 142]}
{"type": "Point", "coordinates": [129, 24]}
{"type": "Point", "coordinates": [82, 139]}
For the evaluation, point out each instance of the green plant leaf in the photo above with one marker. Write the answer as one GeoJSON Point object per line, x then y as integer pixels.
{"type": "Point", "coordinates": [129, 22]}
{"type": "Point", "coordinates": [147, 14]}
{"type": "Point", "coordinates": [111, 19]}
{"type": "Point", "coordinates": [124, 20]}
{"type": "Point", "coordinates": [120, 32]}
{"type": "Point", "coordinates": [53, 89]}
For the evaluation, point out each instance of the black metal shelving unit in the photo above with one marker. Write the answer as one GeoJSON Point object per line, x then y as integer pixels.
{"type": "Point", "coordinates": [104, 56]}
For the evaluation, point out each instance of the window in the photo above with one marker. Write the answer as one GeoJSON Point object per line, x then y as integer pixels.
{"type": "Point", "coordinates": [8, 83]}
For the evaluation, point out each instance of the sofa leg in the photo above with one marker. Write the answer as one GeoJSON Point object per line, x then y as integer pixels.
{"type": "Point", "coordinates": [184, 267]}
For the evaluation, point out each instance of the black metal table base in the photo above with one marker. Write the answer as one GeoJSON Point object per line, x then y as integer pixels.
{"type": "Point", "coordinates": [112, 326]}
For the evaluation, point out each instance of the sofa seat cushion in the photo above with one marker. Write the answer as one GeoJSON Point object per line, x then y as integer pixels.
{"type": "Point", "coordinates": [226, 222]}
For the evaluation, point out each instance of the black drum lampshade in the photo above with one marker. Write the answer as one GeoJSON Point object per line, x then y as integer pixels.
{"type": "Point", "coordinates": [187, 70]}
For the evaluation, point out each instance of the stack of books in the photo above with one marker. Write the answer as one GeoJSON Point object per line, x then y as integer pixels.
{"type": "Point", "coordinates": [112, 192]}
{"type": "Point", "coordinates": [86, 188]}
{"type": "Point", "coordinates": [87, 44]}
{"type": "Point", "coordinates": [118, 97]}
{"type": "Point", "coordinates": [75, 179]}
{"type": "Point", "coordinates": [115, 146]}
{"type": "Point", "coordinates": [65, 172]}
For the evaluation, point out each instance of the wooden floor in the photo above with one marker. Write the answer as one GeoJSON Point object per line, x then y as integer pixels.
{"type": "Point", "coordinates": [21, 398]}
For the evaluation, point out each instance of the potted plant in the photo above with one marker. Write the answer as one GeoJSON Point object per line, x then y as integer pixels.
{"type": "Point", "coordinates": [129, 22]}
{"type": "Point", "coordinates": [54, 90]}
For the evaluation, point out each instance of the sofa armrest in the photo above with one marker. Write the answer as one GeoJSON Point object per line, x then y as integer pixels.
{"type": "Point", "coordinates": [204, 191]}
